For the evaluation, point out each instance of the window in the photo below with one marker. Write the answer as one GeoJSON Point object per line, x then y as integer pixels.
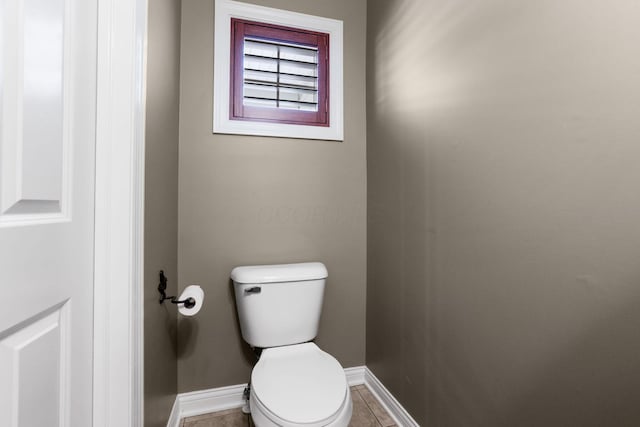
{"type": "Point", "coordinates": [277, 73]}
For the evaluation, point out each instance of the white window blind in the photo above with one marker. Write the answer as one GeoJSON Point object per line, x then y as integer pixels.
{"type": "Point", "coordinates": [280, 75]}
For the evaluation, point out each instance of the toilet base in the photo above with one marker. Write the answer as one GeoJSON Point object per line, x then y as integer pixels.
{"type": "Point", "coordinates": [261, 419]}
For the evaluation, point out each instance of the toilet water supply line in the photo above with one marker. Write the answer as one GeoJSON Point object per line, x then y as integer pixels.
{"type": "Point", "coordinates": [162, 287]}
{"type": "Point", "coordinates": [246, 394]}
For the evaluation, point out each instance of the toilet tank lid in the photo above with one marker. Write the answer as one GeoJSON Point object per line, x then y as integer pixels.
{"type": "Point", "coordinates": [279, 273]}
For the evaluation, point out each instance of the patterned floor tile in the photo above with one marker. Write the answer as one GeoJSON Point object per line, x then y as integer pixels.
{"type": "Point", "coordinates": [229, 418]}
{"type": "Point", "coordinates": [377, 409]}
{"type": "Point", "coordinates": [362, 415]}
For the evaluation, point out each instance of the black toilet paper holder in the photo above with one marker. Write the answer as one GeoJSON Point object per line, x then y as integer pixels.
{"type": "Point", "coordinates": [162, 287]}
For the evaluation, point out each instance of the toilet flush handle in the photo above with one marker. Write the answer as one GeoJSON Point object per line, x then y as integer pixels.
{"type": "Point", "coordinates": [253, 290]}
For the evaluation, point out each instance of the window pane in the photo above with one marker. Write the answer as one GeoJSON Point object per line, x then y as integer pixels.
{"type": "Point", "coordinates": [261, 49]}
{"type": "Point", "coordinates": [280, 75]}
{"type": "Point", "coordinates": [263, 64]}
{"type": "Point", "coordinates": [299, 68]}
{"type": "Point", "coordinates": [259, 76]}
{"type": "Point", "coordinates": [296, 106]}
{"type": "Point", "coordinates": [298, 54]}
{"type": "Point", "coordinates": [307, 82]}
{"type": "Point", "coordinates": [298, 95]}
{"type": "Point", "coordinates": [256, 91]}
{"type": "Point", "coordinates": [259, 103]}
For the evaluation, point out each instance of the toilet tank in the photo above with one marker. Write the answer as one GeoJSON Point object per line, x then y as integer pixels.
{"type": "Point", "coordinates": [279, 304]}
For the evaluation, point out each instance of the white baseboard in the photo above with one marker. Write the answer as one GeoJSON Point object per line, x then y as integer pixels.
{"type": "Point", "coordinates": [355, 375]}
{"type": "Point", "coordinates": [174, 418]}
{"type": "Point", "coordinates": [206, 401]}
{"type": "Point", "coordinates": [386, 399]}
{"type": "Point", "coordinates": [220, 399]}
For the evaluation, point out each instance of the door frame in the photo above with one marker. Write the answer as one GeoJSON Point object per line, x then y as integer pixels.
{"type": "Point", "coordinates": [119, 214]}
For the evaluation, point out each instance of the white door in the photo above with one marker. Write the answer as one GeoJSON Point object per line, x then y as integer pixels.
{"type": "Point", "coordinates": [47, 165]}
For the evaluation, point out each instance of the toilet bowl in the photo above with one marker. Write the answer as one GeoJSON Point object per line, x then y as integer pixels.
{"type": "Point", "coordinates": [299, 385]}
{"type": "Point", "coordinates": [294, 382]}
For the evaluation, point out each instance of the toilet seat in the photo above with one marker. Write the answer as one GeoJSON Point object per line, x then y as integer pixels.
{"type": "Point", "coordinates": [299, 385]}
{"type": "Point", "coordinates": [262, 417]}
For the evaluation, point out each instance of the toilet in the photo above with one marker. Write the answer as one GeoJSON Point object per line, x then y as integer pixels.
{"type": "Point", "coordinates": [294, 383]}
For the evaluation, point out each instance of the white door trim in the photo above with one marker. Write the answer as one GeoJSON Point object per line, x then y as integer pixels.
{"type": "Point", "coordinates": [118, 302]}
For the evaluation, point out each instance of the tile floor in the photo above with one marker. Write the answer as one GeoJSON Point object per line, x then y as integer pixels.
{"type": "Point", "coordinates": [367, 412]}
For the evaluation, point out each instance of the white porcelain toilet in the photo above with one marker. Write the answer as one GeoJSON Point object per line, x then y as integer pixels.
{"type": "Point", "coordinates": [294, 383]}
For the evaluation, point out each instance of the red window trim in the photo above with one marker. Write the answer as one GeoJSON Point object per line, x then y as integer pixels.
{"type": "Point", "coordinates": [237, 111]}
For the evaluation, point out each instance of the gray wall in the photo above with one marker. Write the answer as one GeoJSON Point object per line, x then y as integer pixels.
{"type": "Point", "coordinates": [504, 210]}
{"type": "Point", "coordinates": [257, 200]}
{"type": "Point", "coordinates": [161, 208]}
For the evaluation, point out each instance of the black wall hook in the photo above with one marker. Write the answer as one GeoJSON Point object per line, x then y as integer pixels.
{"type": "Point", "coordinates": [162, 287]}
